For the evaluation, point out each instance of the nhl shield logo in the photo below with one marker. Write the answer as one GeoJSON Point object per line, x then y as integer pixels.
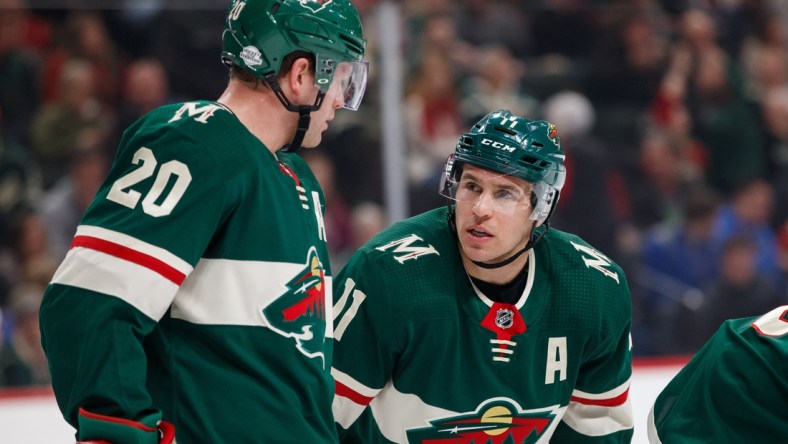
{"type": "Point", "coordinates": [504, 318]}
{"type": "Point", "coordinates": [315, 5]}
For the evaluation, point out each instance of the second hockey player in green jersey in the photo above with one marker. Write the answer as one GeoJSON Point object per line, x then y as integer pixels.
{"type": "Point", "coordinates": [440, 338]}
{"type": "Point", "coordinates": [734, 390]}
{"type": "Point", "coordinates": [195, 301]}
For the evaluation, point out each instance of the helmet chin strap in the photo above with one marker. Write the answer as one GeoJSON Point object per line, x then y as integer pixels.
{"type": "Point", "coordinates": [304, 112]}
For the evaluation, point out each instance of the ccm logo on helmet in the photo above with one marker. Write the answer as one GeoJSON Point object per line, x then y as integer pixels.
{"type": "Point", "coordinates": [498, 145]}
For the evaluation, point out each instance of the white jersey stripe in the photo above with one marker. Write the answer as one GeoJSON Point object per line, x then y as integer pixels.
{"type": "Point", "coordinates": [618, 391]}
{"type": "Point", "coordinates": [346, 412]}
{"type": "Point", "coordinates": [232, 292]}
{"type": "Point", "coordinates": [598, 420]}
{"type": "Point", "coordinates": [143, 288]}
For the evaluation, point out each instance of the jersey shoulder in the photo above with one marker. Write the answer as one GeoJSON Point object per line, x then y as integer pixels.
{"type": "Point", "coordinates": [413, 242]}
{"type": "Point", "coordinates": [415, 251]}
{"type": "Point", "coordinates": [587, 287]}
{"type": "Point", "coordinates": [194, 132]}
{"type": "Point", "coordinates": [568, 253]}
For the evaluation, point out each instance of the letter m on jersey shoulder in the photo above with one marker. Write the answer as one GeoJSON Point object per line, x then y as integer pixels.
{"type": "Point", "coordinates": [203, 113]}
{"type": "Point", "coordinates": [406, 249]}
{"type": "Point", "coordinates": [597, 261]}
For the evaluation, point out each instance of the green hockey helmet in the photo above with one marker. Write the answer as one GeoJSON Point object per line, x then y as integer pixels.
{"type": "Point", "coordinates": [259, 34]}
{"type": "Point", "coordinates": [514, 146]}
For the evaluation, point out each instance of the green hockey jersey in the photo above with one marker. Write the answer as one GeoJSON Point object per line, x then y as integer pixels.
{"type": "Point", "coordinates": [734, 390]}
{"type": "Point", "coordinates": [422, 356]}
{"type": "Point", "coordinates": [197, 289]}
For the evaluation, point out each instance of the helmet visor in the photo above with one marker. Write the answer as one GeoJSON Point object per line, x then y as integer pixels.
{"type": "Point", "coordinates": [494, 191]}
{"type": "Point", "coordinates": [348, 83]}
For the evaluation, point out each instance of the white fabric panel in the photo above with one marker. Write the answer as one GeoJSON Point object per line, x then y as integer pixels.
{"type": "Point", "coordinates": [143, 288]}
{"type": "Point", "coordinates": [346, 412]}
{"type": "Point", "coordinates": [605, 395]}
{"type": "Point", "coordinates": [594, 420]}
{"type": "Point", "coordinates": [230, 292]}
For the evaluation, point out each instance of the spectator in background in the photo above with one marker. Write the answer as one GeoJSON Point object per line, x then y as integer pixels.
{"type": "Point", "coordinates": [748, 213]}
{"type": "Point", "coordinates": [661, 181]}
{"type": "Point", "coordinates": [20, 74]}
{"type": "Point", "coordinates": [774, 110]}
{"type": "Point", "coordinates": [433, 123]}
{"type": "Point", "coordinates": [57, 125]}
{"type": "Point", "coordinates": [482, 23]}
{"type": "Point", "coordinates": [61, 208]}
{"type": "Point", "coordinates": [740, 290]}
{"type": "Point", "coordinates": [590, 186]}
{"type": "Point", "coordinates": [13, 372]}
{"type": "Point", "coordinates": [19, 175]}
{"type": "Point", "coordinates": [27, 364]}
{"type": "Point", "coordinates": [436, 30]}
{"type": "Point", "coordinates": [725, 121]}
{"type": "Point", "coordinates": [84, 36]}
{"type": "Point", "coordinates": [496, 83]}
{"type": "Point", "coordinates": [677, 263]}
{"type": "Point", "coordinates": [145, 88]}
{"type": "Point", "coordinates": [27, 259]}
{"type": "Point", "coordinates": [432, 115]}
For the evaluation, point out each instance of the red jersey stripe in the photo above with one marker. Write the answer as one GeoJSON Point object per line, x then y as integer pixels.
{"type": "Point", "coordinates": [347, 392]}
{"type": "Point", "coordinates": [609, 402]}
{"type": "Point", "coordinates": [130, 255]}
{"type": "Point", "coordinates": [126, 422]}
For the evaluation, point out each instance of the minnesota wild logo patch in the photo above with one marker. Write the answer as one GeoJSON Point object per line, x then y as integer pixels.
{"type": "Point", "coordinates": [496, 421]}
{"type": "Point", "coordinates": [315, 5]}
{"type": "Point", "coordinates": [300, 313]}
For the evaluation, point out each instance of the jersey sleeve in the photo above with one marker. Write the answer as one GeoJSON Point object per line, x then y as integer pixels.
{"type": "Point", "coordinates": [735, 389]}
{"type": "Point", "coordinates": [599, 409]}
{"type": "Point", "coordinates": [366, 341]}
{"type": "Point", "coordinates": [145, 230]}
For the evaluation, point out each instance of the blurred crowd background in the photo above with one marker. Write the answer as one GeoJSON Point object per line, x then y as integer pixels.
{"type": "Point", "coordinates": [673, 114]}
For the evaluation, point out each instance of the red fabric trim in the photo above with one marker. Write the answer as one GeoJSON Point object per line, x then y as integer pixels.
{"type": "Point", "coordinates": [347, 392]}
{"type": "Point", "coordinates": [609, 402]}
{"type": "Point", "coordinates": [115, 420]}
{"type": "Point", "coordinates": [130, 255]}
{"type": "Point", "coordinates": [12, 393]}
{"type": "Point", "coordinates": [645, 362]}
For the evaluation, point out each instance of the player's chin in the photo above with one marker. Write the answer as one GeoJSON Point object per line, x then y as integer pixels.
{"type": "Point", "coordinates": [312, 142]}
{"type": "Point", "coordinates": [475, 252]}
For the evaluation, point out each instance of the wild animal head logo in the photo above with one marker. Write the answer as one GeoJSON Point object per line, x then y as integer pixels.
{"type": "Point", "coordinates": [300, 313]}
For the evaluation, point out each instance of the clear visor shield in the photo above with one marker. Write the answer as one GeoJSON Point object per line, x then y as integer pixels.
{"type": "Point", "coordinates": [348, 80]}
{"type": "Point", "coordinates": [489, 190]}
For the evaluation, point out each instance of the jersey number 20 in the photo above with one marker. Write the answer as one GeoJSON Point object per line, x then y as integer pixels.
{"type": "Point", "coordinates": [122, 193]}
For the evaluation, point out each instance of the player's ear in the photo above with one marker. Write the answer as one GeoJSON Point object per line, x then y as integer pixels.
{"type": "Point", "coordinates": [300, 79]}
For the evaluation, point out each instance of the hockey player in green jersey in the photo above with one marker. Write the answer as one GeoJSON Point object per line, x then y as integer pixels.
{"type": "Point", "coordinates": [196, 297]}
{"type": "Point", "coordinates": [475, 323]}
{"type": "Point", "coordinates": [734, 390]}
